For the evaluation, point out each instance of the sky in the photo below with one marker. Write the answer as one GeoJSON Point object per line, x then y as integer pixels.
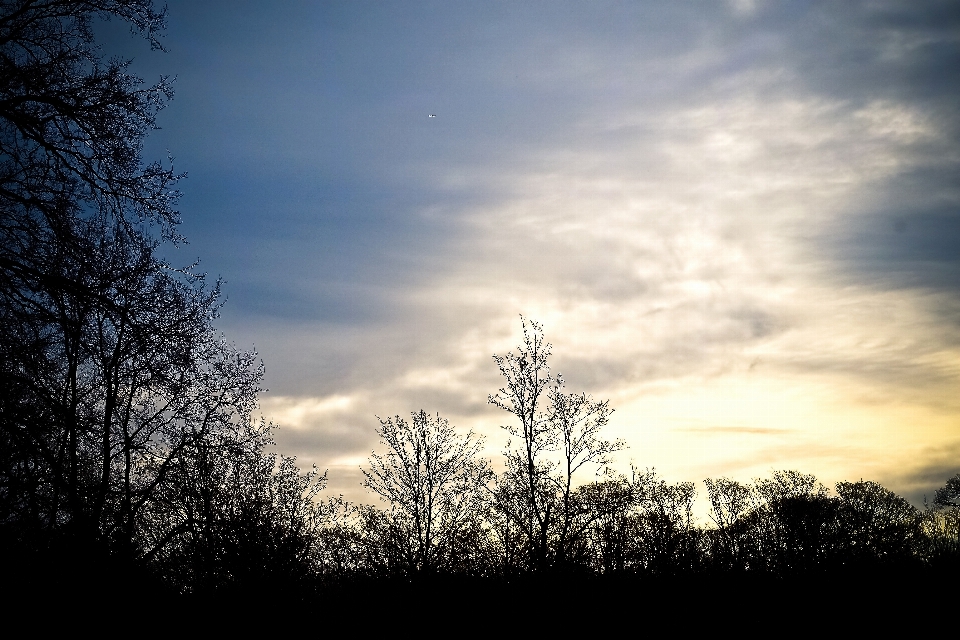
{"type": "Point", "coordinates": [739, 222]}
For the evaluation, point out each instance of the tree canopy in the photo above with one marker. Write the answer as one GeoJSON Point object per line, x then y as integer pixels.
{"type": "Point", "coordinates": [115, 387]}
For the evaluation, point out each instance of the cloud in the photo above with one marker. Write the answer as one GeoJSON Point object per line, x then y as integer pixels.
{"type": "Point", "coordinates": [732, 219]}
{"type": "Point", "coordinates": [919, 481]}
{"type": "Point", "coordinates": [655, 274]}
{"type": "Point", "coordinates": [719, 430]}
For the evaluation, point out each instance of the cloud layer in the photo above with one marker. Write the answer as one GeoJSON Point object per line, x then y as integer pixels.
{"type": "Point", "coordinates": [740, 222]}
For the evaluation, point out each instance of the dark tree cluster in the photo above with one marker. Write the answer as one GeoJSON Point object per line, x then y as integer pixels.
{"type": "Point", "coordinates": [126, 436]}
{"type": "Point", "coordinates": [129, 454]}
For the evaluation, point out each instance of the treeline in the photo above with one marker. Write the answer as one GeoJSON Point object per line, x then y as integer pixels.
{"type": "Point", "coordinates": [785, 526]}
{"type": "Point", "coordinates": [449, 514]}
{"type": "Point", "coordinates": [127, 444]}
{"type": "Point", "coordinates": [129, 452]}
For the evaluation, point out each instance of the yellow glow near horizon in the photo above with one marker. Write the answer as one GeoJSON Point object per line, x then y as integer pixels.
{"type": "Point", "coordinates": [746, 426]}
{"type": "Point", "coordinates": [678, 281]}
{"type": "Point", "coordinates": [742, 425]}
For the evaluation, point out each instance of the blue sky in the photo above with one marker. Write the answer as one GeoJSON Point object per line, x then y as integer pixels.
{"type": "Point", "coordinates": [740, 222]}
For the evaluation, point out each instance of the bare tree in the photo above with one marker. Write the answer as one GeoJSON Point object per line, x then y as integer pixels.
{"type": "Point", "coordinates": [112, 376]}
{"type": "Point", "coordinates": [93, 327]}
{"type": "Point", "coordinates": [234, 517]}
{"type": "Point", "coordinates": [558, 434]}
{"type": "Point", "coordinates": [433, 479]}
{"type": "Point", "coordinates": [731, 505]}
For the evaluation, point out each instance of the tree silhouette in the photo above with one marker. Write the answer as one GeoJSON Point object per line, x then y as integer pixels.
{"type": "Point", "coordinates": [75, 268]}
{"type": "Point", "coordinates": [434, 480]}
{"type": "Point", "coordinates": [236, 520]}
{"type": "Point", "coordinates": [113, 381]}
{"type": "Point", "coordinates": [558, 434]}
{"type": "Point", "coordinates": [949, 494]}
{"type": "Point", "coordinates": [941, 525]}
{"type": "Point", "coordinates": [879, 526]}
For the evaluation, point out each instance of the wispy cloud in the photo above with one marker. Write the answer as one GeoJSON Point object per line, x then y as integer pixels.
{"type": "Point", "coordinates": [738, 221]}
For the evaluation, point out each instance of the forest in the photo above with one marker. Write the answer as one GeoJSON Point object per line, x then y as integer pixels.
{"type": "Point", "coordinates": [131, 452]}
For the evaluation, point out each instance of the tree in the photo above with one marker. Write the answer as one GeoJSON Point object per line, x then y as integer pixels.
{"type": "Point", "coordinates": [949, 494]}
{"type": "Point", "coordinates": [433, 479]}
{"type": "Point", "coordinates": [641, 524]}
{"type": "Point", "coordinates": [665, 540]}
{"type": "Point", "coordinates": [731, 504]}
{"type": "Point", "coordinates": [612, 536]}
{"type": "Point", "coordinates": [879, 526]}
{"type": "Point", "coordinates": [72, 191]}
{"type": "Point", "coordinates": [799, 523]}
{"type": "Point", "coordinates": [112, 377]}
{"type": "Point", "coordinates": [941, 523]}
{"type": "Point", "coordinates": [71, 131]}
{"type": "Point", "coordinates": [72, 125]}
{"type": "Point", "coordinates": [558, 435]}
{"type": "Point", "coordinates": [780, 525]}
{"type": "Point", "coordinates": [236, 520]}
